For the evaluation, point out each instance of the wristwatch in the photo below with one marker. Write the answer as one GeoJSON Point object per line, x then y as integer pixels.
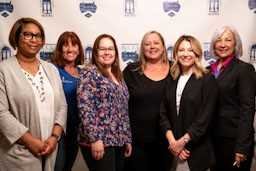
{"type": "Point", "coordinates": [56, 136]}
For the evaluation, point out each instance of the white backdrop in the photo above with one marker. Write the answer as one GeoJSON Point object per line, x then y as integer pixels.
{"type": "Point", "coordinates": [128, 20]}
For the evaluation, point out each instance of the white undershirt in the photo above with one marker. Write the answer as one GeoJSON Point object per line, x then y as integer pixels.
{"type": "Point", "coordinates": [45, 103]}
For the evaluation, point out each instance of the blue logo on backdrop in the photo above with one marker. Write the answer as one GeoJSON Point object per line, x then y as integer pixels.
{"type": "Point", "coordinates": [171, 7]}
{"type": "Point", "coordinates": [253, 54]}
{"type": "Point", "coordinates": [252, 5]}
{"type": "Point", "coordinates": [46, 6]}
{"type": "Point", "coordinates": [169, 53]}
{"type": "Point", "coordinates": [129, 53]}
{"type": "Point", "coordinates": [5, 53]}
{"type": "Point", "coordinates": [214, 7]}
{"type": "Point", "coordinates": [6, 8]}
{"type": "Point", "coordinates": [206, 53]}
{"type": "Point", "coordinates": [47, 52]}
{"type": "Point", "coordinates": [129, 7]}
{"type": "Point", "coordinates": [88, 54]}
{"type": "Point", "coordinates": [88, 7]}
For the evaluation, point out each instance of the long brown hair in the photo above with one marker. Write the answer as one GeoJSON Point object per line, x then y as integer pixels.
{"type": "Point", "coordinates": [115, 68]}
{"type": "Point", "coordinates": [58, 58]}
{"type": "Point", "coordinates": [198, 70]}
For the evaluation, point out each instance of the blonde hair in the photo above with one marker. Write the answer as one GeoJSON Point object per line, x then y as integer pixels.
{"type": "Point", "coordinates": [142, 59]}
{"type": "Point", "coordinates": [198, 69]}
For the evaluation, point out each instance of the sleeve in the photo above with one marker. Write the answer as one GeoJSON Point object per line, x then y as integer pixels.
{"type": "Point", "coordinates": [207, 108]}
{"type": "Point", "coordinates": [10, 127]}
{"type": "Point", "coordinates": [61, 113]}
{"type": "Point", "coordinates": [90, 105]}
{"type": "Point", "coordinates": [246, 90]}
{"type": "Point", "coordinates": [165, 124]}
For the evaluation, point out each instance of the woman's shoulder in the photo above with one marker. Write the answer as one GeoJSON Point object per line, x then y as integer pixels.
{"type": "Point", "coordinates": [132, 66]}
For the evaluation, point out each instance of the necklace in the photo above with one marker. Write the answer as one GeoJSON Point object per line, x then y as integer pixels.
{"type": "Point", "coordinates": [38, 85]}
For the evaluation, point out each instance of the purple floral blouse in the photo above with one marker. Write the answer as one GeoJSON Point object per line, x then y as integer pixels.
{"type": "Point", "coordinates": [103, 109]}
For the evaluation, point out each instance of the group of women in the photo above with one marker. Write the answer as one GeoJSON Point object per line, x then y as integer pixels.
{"type": "Point", "coordinates": [155, 115]}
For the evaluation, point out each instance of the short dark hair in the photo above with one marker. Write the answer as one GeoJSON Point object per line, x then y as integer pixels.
{"type": "Point", "coordinates": [57, 58]}
{"type": "Point", "coordinates": [17, 28]}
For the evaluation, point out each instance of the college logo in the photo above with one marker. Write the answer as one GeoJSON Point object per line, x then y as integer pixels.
{"type": "Point", "coordinates": [209, 59]}
{"type": "Point", "coordinates": [88, 54]}
{"type": "Point", "coordinates": [6, 8]}
{"type": "Point", "coordinates": [169, 53]}
{"type": "Point", "coordinates": [252, 5]}
{"type": "Point", "coordinates": [46, 8]}
{"type": "Point", "coordinates": [214, 7]}
{"type": "Point", "coordinates": [88, 7]}
{"type": "Point", "coordinates": [47, 52]}
{"type": "Point", "coordinates": [5, 53]}
{"type": "Point", "coordinates": [129, 53]}
{"type": "Point", "coordinates": [129, 7]}
{"type": "Point", "coordinates": [253, 54]}
{"type": "Point", "coordinates": [171, 7]}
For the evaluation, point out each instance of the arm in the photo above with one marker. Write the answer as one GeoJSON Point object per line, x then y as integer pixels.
{"type": "Point", "coordinates": [247, 108]}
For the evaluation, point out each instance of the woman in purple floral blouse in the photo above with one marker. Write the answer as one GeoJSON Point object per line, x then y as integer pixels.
{"type": "Point", "coordinates": [104, 132]}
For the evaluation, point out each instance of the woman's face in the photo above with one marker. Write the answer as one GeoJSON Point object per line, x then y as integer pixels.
{"type": "Point", "coordinates": [185, 55]}
{"type": "Point", "coordinates": [106, 52]}
{"type": "Point", "coordinates": [225, 45]}
{"type": "Point", "coordinates": [30, 41]}
{"type": "Point", "coordinates": [70, 52]}
{"type": "Point", "coordinates": [153, 47]}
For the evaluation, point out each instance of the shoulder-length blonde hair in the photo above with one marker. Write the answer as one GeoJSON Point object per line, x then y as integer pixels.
{"type": "Point", "coordinates": [198, 69]}
{"type": "Point", "coordinates": [142, 58]}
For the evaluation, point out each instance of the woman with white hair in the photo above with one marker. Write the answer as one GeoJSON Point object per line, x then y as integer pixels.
{"type": "Point", "coordinates": [233, 124]}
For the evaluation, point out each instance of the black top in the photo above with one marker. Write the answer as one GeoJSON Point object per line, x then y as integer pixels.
{"type": "Point", "coordinates": [144, 104]}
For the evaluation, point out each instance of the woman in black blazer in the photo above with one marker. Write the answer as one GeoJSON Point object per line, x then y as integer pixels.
{"type": "Point", "coordinates": [187, 108]}
{"type": "Point", "coordinates": [233, 126]}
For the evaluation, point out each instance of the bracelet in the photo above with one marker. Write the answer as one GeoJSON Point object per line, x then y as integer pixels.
{"type": "Point", "coordinates": [56, 136]}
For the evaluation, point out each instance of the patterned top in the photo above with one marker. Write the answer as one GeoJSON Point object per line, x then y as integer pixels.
{"type": "Point", "coordinates": [103, 109]}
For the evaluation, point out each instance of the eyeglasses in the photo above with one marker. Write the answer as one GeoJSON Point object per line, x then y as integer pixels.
{"type": "Point", "coordinates": [29, 36]}
{"type": "Point", "coordinates": [104, 49]}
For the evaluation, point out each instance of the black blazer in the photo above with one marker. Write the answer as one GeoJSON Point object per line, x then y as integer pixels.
{"type": "Point", "coordinates": [197, 105]}
{"type": "Point", "coordinates": [236, 105]}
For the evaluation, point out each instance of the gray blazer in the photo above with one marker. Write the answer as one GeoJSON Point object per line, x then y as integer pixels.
{"type": "Point", "coordinates": [19, 114]}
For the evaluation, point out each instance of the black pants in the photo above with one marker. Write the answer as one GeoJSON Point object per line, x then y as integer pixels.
{"type": "Point", "coordinates": [224, 149]}
{"type": "Point", "coordinates": [148, 157]}
{"type": "Point", "coordinates": [113, 159]}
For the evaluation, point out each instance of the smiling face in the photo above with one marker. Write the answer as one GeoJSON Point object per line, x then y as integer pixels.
{"type": "Point", "coordinates": [153, 47]}
{"type": "Point", "coordinates": [70, 51]}
{"type": "Point", "coordinates": [30, 42]}
{"type": "Point", "coordinates": [185, 55]}
{"type": "Point", "coordinates": [106, 52]}
{"type": "Point", "coordinates": [225, 45]}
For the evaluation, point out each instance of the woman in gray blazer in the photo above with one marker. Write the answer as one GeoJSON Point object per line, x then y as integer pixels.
{"type": "Point", "coordinates": [32, 105]}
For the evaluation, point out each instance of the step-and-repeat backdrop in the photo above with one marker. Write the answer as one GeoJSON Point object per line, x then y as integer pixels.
{"type": "Point", "coordinates": [128, 20]}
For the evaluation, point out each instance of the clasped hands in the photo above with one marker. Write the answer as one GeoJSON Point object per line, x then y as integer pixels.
{"type": "Point", "coordinates": [177, 148]}
{"type": "Point", "coordinates": [42, 148]}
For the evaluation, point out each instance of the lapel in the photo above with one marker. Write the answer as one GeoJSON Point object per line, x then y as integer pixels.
{"type": "Point", "coordinates": [188, 87]}
{"type": "Point", "coordinates": [227, 70]}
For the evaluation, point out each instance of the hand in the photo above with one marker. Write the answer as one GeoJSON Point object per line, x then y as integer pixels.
{"type": "Point", "coordinates": [49, 145]}
{"type": "Point", "coordinates": [184, 154]}
{"type": "Point", "coordinates": [176, 146]}
{"type": "Point", "coordinates": [34, 145]}
{"type": "Point", "coordinates": [128, 150]}
{"type": "Point", "coordinates": [238, 159]}
{"type": "Point", "coordinates": [97, 149]}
